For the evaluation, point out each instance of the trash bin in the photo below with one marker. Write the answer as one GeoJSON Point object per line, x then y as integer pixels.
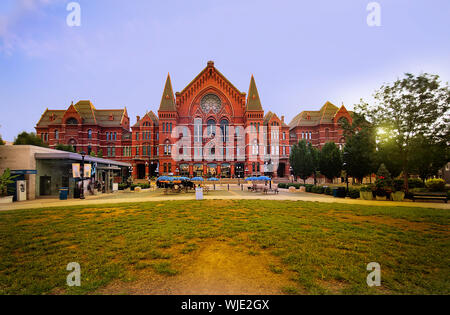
{"type": "Point", "coordinates": [342, 192]}
{"type": "Point", "coordinates": [63, 193]}
{"type": "Point", "coordinates": [335, 192]}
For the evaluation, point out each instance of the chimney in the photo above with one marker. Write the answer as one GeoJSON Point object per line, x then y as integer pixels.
{"type": "Point", "coordinates": [138, 118]}
{"type": "Point", "coordinates": [282, 118]}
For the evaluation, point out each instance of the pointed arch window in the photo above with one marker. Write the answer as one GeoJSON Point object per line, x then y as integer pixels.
{"type": "Point", "coordinates": [211, 129]}
{"type": "Point", "coordinates": [255, 147]}
{"type": "Point", "coordinates": [224, 127]}
{"type": "Point", "coordinates": [198, 130]}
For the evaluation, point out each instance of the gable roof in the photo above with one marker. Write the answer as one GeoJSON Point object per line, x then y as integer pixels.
{"type": "Point", "coordinates": [168, 99]}
{"type": "Point", "coordinates": [88, 113]}
{"type": "Point", "coordinates": [50, 117]}
{"type": "Point", "coordinates": [313, 118]}
{"type": "Point", "coordinates": [253, 101]}
{"type": "Point", "coordinates": [269, 116]}
{"type": "Point", "coordinates": [150, 115]}
{"type": "Point", "coordinates": [210, 64]}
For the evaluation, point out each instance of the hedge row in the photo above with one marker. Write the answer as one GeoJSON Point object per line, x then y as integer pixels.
{"type": "Point", "coordinates": [143, 186]}
{"type": "Point", "coordinates": [352, 193]}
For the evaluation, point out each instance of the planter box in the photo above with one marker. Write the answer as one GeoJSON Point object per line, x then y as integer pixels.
{"type": "Point", "coordinates": [8, 199]}
{"type": "Point", "coordinates": [292, 189]}
{"type": "Point", "coordinates": [381, 198]}
{"type": "Point", "coordinates": [302, 189]}
{"type": "Point", "coordinates": [366, 195]}
{"type": "Point", "coordinates": [398, 196]}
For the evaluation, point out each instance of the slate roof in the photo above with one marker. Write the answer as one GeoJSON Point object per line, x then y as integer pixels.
{"type": "Point", "coordinates": [168, 99]}
{"type": "Point", "coordinates": [323, 116]}
{"type": "Point", "coordinates": [253, 101]}
{"type": "Point", "coordinates": [88, 113]}
{"type": "Point", "coordinates": [152, 116]}
{"type": "Point", "coordinates": [269, 116]}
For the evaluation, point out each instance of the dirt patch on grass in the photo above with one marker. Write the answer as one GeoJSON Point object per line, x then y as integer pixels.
{"type": "Point", "coordinates": [213, 268]}
{"type": "Point", "coordinates": [393, 222]}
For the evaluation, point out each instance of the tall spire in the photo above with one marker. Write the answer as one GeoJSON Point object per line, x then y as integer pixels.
{"type": "Point", "coordinates": [168, 100]}
{"type": "Point", "coordinates": [253, 101]}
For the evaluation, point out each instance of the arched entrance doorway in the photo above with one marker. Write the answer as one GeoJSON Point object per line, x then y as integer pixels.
{"type": "Point", "coordinates": [281, 169]}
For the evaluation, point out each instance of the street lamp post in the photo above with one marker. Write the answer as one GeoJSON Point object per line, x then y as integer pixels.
{"type": "Point", "coordinates": [345, 167]}
{"type": "Point", "coordinates": [83, 154]}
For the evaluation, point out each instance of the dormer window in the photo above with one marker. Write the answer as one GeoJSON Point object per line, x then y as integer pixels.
{"type": "Point", "coordinates": [111, 117]}
{"type": "Point", "coordinates": [71, 121]}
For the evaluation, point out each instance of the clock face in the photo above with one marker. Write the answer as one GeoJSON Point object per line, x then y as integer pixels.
{"type": "Point", "coordinates": [210, 103]}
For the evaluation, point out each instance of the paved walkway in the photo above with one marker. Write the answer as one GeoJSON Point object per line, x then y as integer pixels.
{"type": "Point", "coordinates": [146, 196]}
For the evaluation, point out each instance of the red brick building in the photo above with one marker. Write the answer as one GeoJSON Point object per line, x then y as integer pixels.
{"type": "Point", "coordinates": [210, 128]}
{"type": "Point", "coordinates": [320, 127]}
{"type": "Point", "coordinates": [88, 129]}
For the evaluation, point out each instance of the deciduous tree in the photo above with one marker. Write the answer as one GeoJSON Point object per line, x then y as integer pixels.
{"type": "Point", "coordinates": [301, 160]}
{"type": "Point", "coordinates": [410, 106]}
{"type": "Point", "coordinates": [26, 138]}
{"type": "Point", "coordinates": [330, 161]}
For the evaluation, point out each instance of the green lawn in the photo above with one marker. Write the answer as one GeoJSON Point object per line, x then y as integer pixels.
{"type": "Point", "coordinates": [326, 246]}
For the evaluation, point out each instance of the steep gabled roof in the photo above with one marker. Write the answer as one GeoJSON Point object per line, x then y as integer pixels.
{"type": "Point", "coordinates": [253, 101]}
{"type": "Point", "coordinates": [150, 115]}
{"type": "Point", "coordinates": [271, 115]}
{"type": "Point", "coordinates": [88, 113]}
{"type": "Point", "coordinates": [168, 99]}
{"type": "Point", "coordinates": [327, 113]}
{"type": "Point", "coordinates": [50, 117]}
{"type": "Point", "coordinates": [153, 117]}
{"type": "Point", "coordinates": [267, 117]}
{"type": "Point", "coordinates": [211, 65]}
{"type": "Point", "coordinates": [104, 116]}
{"type": "Point", "coordinates": [313, 118]}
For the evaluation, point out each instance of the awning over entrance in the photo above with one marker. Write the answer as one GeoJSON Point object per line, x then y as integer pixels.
{"type": "Point", "coordinates": [78, 157]}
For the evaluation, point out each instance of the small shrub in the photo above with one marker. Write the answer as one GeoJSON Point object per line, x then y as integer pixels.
{"type": "Point", "coordinates": [281, 185]}
{"type": "Point", "coordinates": [398, 185]}
{"type": "Point", "coordinates": [415, 183]}
{"type": "Point", "coordinates": [383, 177]}
{"type": "Point", "coordinates": [366, 188]}
{"type": "Point", "coordinates": [318, 189]}
{"type": "Point", "coordinates": [353, 193]}
{"type": "Point", "coordinates": [436, 184]}
{"type": "Point", "coordinates": [329, 191]}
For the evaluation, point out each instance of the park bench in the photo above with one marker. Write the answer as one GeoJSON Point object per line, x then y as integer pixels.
{"type": "Point", "coordinates": [269, 190]}
{"type": "Point", "coordinates": [423, 196]}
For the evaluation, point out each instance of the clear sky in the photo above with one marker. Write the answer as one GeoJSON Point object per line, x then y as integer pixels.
{"type": "Point", "coordinates": [302, 53]}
